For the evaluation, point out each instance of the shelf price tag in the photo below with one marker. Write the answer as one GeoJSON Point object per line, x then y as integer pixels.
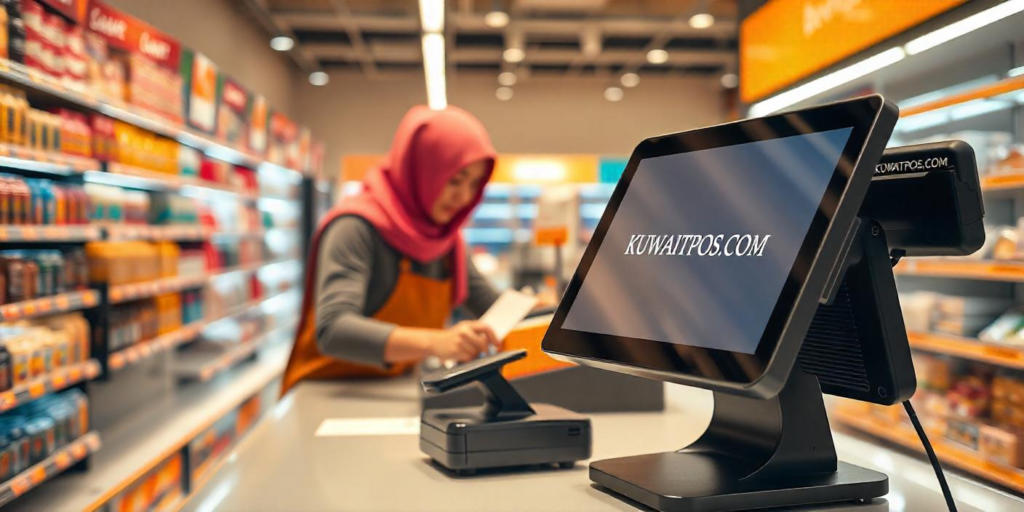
{"type": "Point", "coordinates": [20, 485]}
{"type": "Point", "coordinates": [7, 400]}
{"type": "Point", "coordinates": [75, 374]}
{"type": "Point", "coordinates": [37, 475]}
{"type": "Point", "coordinates": [63, 302]}
{"type": "Point", "coordinates": [78, 450]}
{"type": "Point", "coordinates": [59, 381]}
{"type": "Point", "coordinates": [63, 460]}
{"type": "Point", "coordinates": [1004, 353]}
{"type": "Point", "coordinates": [30, 308]}
{"type": "Point", "coordinates": [37, 389]}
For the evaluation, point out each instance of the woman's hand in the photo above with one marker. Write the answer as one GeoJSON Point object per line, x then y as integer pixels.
{"type": "Point", "coordinates": [463, 342]}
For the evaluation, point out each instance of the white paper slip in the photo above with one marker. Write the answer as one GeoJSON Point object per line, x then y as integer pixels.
{"type": "Point", "coordinates": [341, 427]}
{"type": "Point", "coordinates": [510, 309]}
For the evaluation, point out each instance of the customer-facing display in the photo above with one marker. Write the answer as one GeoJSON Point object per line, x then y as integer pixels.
{"type": "Point", "coordinates": [704, 241]}
{"type": "Point", "coordinates": [717, 246]}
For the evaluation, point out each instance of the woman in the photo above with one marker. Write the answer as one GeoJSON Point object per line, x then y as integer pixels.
{"type": "Point", "coordinates": [388, 266]}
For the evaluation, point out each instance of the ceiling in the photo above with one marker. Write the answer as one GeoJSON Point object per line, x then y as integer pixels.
{"type": "Point", "coordinates": [381, 38]}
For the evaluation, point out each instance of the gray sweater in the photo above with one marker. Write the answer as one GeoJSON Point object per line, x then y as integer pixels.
{"type": "Point", "coordinates": [356, 272]}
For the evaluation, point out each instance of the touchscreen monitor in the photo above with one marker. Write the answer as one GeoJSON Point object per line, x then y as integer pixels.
{"type": "Point", "coordinates": [707, 246]}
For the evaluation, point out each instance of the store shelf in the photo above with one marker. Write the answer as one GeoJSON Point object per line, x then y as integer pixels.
{"type": "Point", "coordinates": [146, 349]}
{"type": "Point", "coordinates": [968, 348]}
{"type": "Point", "coordinates": [986, 270]}
{"type": "Point", "coordinates": [157, 233]}
{"type": "Point", "coordinates": [949, 453]}
{"type": "Point", "coordinates": [126, 292]}
{"type": "Point", "coordinates": [1003, 182]}
{"type": "Point", "coordinates": [69, 234]}
{"type": "Point", "coordinates": [49, 384]}
{"type": "Point", "coordinates": [141, 442]}
{"type": "Point", "coordinates": [204, 365]}
{"type": "Point", "coordinates": [979, 93]}
{"type": "Point", "coordinates": [54, 465]}
{"type": "Point", "coordinates": [30, 79]}
{"type": "Point", "coordinates": [166, 181]}
{"type": "Point", "coordinates": [61, 303]}
{"type": "Point", "coordinates": [29, 159]}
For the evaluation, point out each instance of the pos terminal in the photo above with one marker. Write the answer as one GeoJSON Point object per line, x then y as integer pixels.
{"type": "Point", "coordinates": [743, 259]}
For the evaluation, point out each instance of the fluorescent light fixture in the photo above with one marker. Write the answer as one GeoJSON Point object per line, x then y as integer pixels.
{"type": "Point", "coordinates": [630, 80]}
{"type": "Point", "coordinates": [538, 170]}
{"type": "Point", "coordinates": [507, 78]}
{"type": "Point", "coordinates": [433, 68]}
{"type": "Point", "coordinates": [827, 82]}
{"type": "Point", "coordinates": [964, 26]}
{"type": "Point", "coordinates": [513, 55]}
{"type": "Point", "coordinates": [496, 19]}
{"type": "Point", "coordinates": [282, 43]}
{"type": "Point", "coordinates": [613, 94]}
{"type": "Point", "coordinates": [432, 16]}
{"type": "Point", "coordinates": [504, 93]}
{"type": "Point", "coordinates": [319, 78]}
{"type": "Point", "coordinates": [1015, 72]}
{"type": "Point", "coordinates": [730, 80]}
{"type": "Point", "coordinates": [702, 20]}
{"type": "Point", "coordinates": [657, 56]}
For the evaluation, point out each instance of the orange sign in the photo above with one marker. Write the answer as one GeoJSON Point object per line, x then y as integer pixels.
{"type": "Point", "coordinates": [788, 40]}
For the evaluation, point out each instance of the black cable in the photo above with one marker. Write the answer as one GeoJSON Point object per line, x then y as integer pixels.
{"type": "Point", "coordinates": [931, 456]}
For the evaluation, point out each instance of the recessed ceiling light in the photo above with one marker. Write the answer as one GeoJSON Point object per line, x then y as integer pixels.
{"type": "Point", "coordinates": [496, 19]}
{"type": "Point", "coordinates": [702, 20]}
{"type": "Point", "coordinates": [504, 93]}
{"type": "Point", "coordinates": [657, 56]}
{"type": "Point", "coordinates": [507, 78]}
{"type": "Point", "coordinates": [630, 79]}
{"type": "Point", "coordinates": [319, 78]}
{"type": "Point", "coordinates": [730, 80]}
{"type": "Point", "coordinates": [282, 43]}
{"type": "Point", "coordinates": [613, 94]}
{"type": "Point", "coordinates": [513, 55]}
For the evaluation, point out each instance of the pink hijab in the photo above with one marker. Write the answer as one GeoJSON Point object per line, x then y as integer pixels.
{"type": "Point", "coordinates": [429, 147]}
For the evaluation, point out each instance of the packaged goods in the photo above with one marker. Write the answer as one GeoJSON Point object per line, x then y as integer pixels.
{"type": "Point", "coordinates": [30, 434]}
{"type": "Point", "coordinates": [118, 263]}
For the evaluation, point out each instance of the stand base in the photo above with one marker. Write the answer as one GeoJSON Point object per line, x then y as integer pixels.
{"type": "Point", "coordinates": [686, 481]}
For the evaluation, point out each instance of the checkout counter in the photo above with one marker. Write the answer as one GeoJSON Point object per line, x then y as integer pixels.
{"type": "Point", "coordinates": [282, 464]}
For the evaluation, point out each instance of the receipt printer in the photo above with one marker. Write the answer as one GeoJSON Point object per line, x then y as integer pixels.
{"type": "Point", "coordinates": [504, 431]}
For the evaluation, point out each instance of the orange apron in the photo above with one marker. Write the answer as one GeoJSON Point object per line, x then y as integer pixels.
{"type": "Point", "coordinates": [416, 301]}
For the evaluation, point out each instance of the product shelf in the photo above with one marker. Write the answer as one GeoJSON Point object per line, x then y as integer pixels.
{"type": "Point", "coordinates": [154, 433]}
{"type": "Point", "coordinates": [948, 452]}
{"type": "Point", "coordinates": [201, 366]}
{"type": "Point", "coordinates": [985, 270]}
{"type": "Point", "coordinates": [1003, 181]}
{"type": "Point", "coordinates": [30, 79]}
{"type": "Point", "coordinates": [54, 465]}
{"type": "Point", "coordinates": [125, 292]}
{"type": "Point", "coordinates": [968, 348]}
{"type": "Point", "coordinates": [59, 234]}
{"type": "Point", "coordinates": [174, 233]}
{"type": "Point", "coordinates": [166, 181]}
{"type": "Point", "coordinates": [149, 348]}
{"type": "Point", "coordinates": [30, 159]}
{"type": "Point", "coordinates": [61, 303]}
{"type": "Point", "coordinates": [49, 384]}
{"type": "Point", "coordinates": [1001, 87]}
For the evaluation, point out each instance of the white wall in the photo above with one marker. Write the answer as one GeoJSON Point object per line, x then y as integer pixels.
{"type": "Point", "coordinates": [227, 34]}
{"type": "Point", "coordinates": [353, 115]}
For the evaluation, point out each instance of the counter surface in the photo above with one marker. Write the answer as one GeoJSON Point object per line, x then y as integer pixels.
{"type": "Point", "coordinates": [281, 465]}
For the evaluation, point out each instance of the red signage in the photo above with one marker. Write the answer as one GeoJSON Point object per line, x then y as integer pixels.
{"type": "Point", "coordinates": [235, 97]}
{"type": "Point", "coordinates": [74, 9]}
{"type": "Point", "coordinates": [131, 34]}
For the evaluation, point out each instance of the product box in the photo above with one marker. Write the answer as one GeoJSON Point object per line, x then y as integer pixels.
{"type": "Point", "coordinates": [199, 75]}
{"type": "Point", "coordinates": [258, 115]}
{"type": "Point", "coordinates": [966, 326]}
{"type": "Point", "coordinates": [1001, 445]}
{"type": "Point", "coordinates": [967, 433]}
{"type": "Point", "coordinates": [232, 113]}
{"type": "Point", "coordinates": [951, 306]}
{"type": "Point", "coordinates": [1005, 327]}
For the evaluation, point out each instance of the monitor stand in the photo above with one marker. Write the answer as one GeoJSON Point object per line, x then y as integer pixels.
{"type": "Point", "coordinates": [755, 454]}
